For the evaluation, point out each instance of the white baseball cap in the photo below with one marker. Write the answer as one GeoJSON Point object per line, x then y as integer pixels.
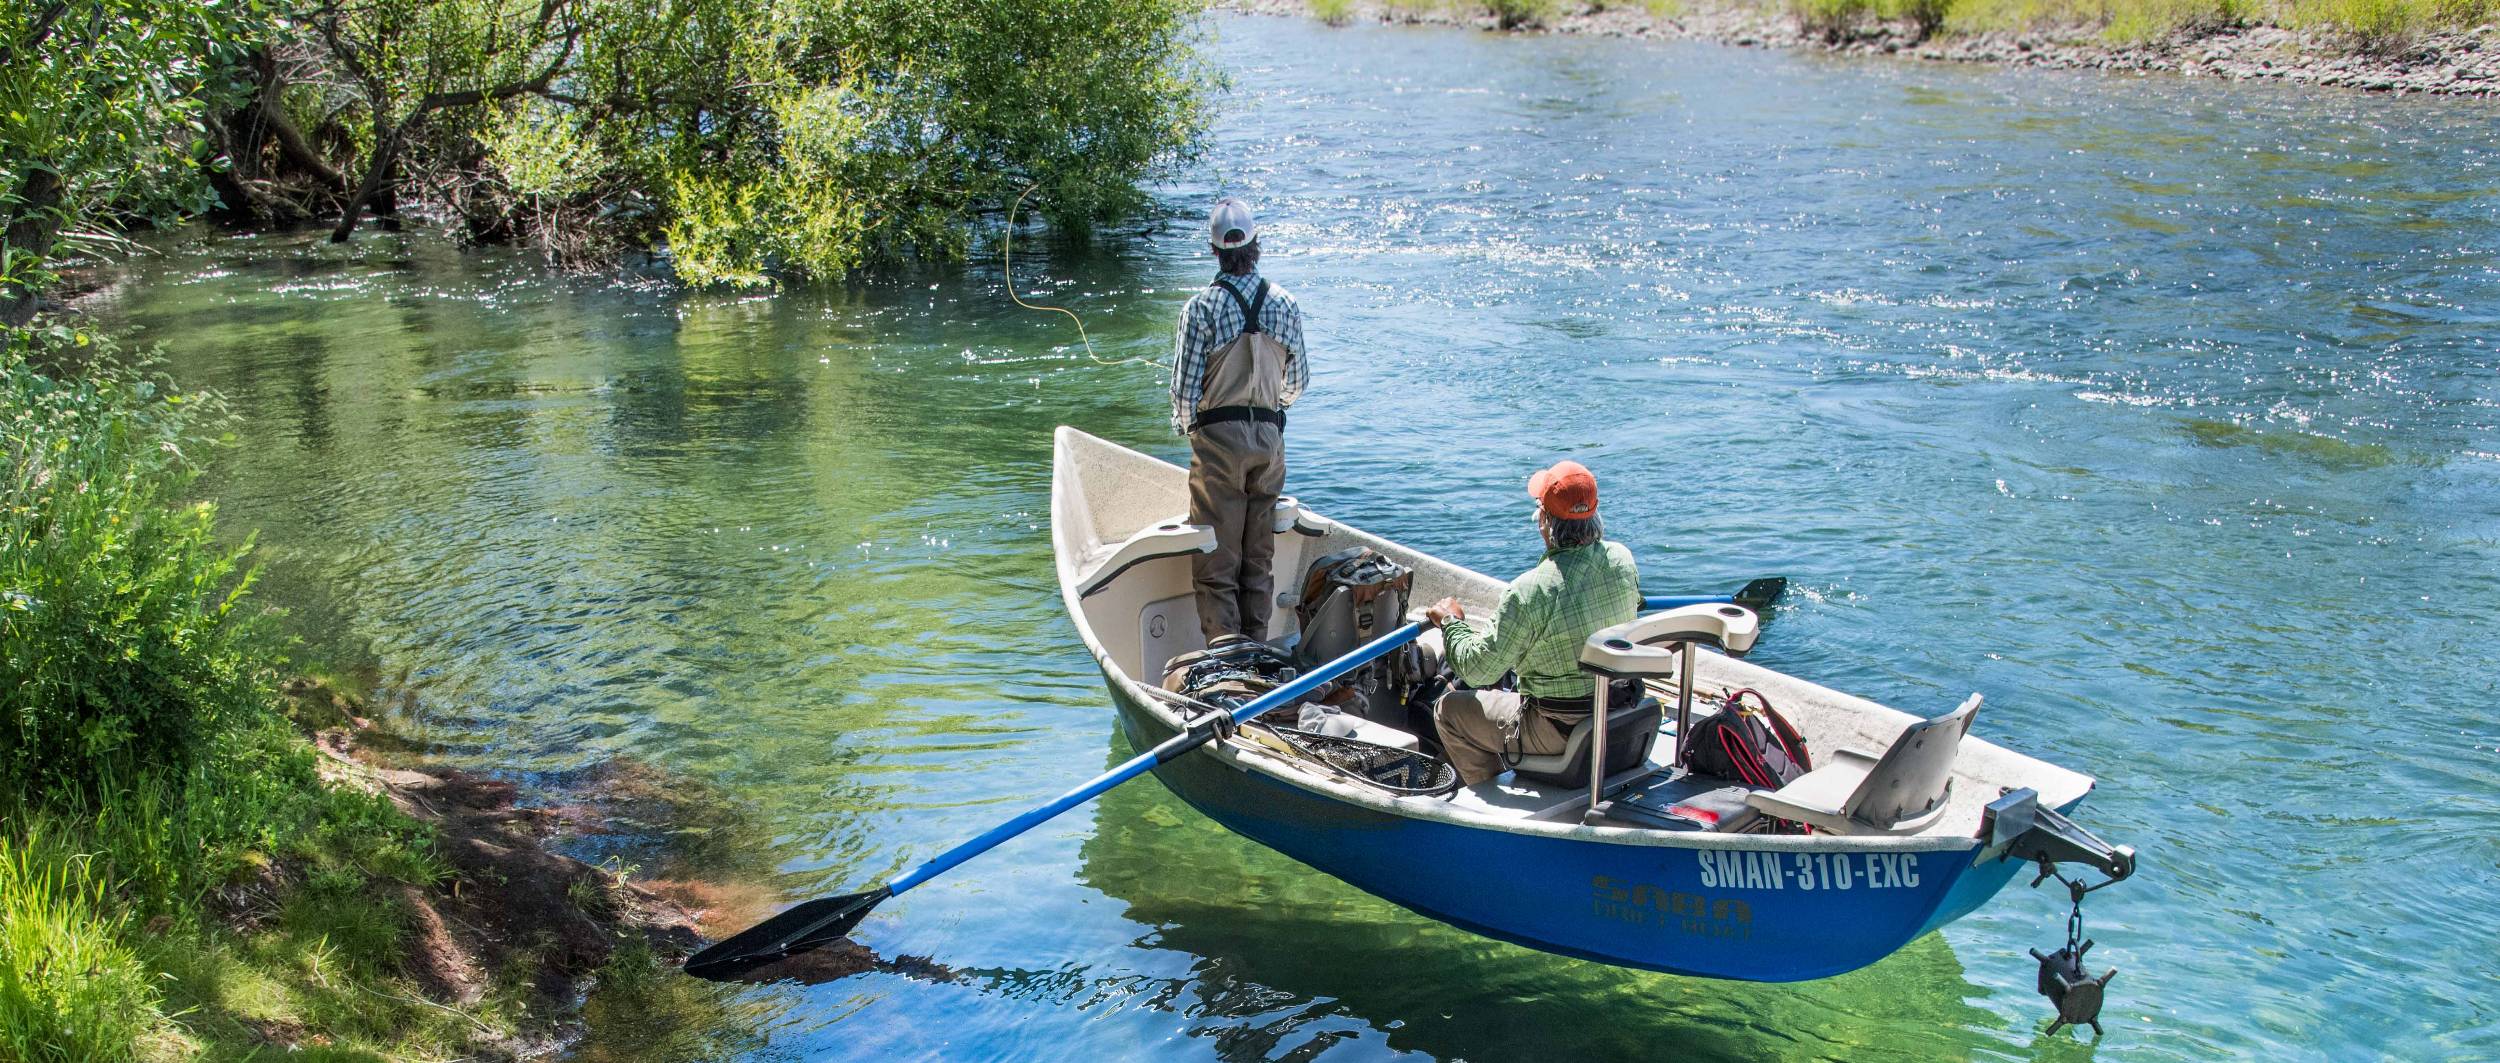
{"type": "Point", "coordinates": [1230, 225]}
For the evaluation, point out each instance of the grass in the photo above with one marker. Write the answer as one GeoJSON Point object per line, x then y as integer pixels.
{"type": "Point", "coordinates": [252, 908]}
{"type": "Point", "coordinates": [71, 988]}
{"type": "Point", "coordinates": [2390, 25]}
{"type": "Point", "coordinates": [1333, 12]}
{"type": "Point", "coordinates": [2365, 25]}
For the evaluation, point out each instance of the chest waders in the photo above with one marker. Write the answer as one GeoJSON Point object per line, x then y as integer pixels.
{"type": "Point", "coordinates": [1236, 473]}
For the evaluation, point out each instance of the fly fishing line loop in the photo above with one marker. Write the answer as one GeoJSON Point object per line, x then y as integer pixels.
{"type": "Point", "coordinates": [1007, 257]}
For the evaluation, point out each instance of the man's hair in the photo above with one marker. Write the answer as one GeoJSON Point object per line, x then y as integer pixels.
{"type": "Point", "coordinates": [1238, 261]}
{"type": "Point", "coordinates": [1568, 534]}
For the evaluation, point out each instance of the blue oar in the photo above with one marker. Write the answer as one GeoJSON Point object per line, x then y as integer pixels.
{"type": "Point", "coordinates": [827, 919]}
{"type": "Point", "coordinates": [1754, 595]}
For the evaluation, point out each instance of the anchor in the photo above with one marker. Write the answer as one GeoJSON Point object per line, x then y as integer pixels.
{"type": "Point", "coordinates": [2075, 995]}
{"type": "Point", "coordinates": [2018, 827]}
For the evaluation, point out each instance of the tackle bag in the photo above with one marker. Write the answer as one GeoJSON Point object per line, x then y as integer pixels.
{"type": "Point", "coordinates": [1375, 595]}
{"type": "Point", "coordinates": [1236, 669]}
{"type": "Point", "coordinates": [1349, 598]}
{"type": "Point", "coordinates": [1754, 746]}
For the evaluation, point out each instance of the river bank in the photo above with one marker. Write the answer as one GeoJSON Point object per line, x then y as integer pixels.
{"type": "Point", "coordinates": [512, 911]}
{"type": "Point", "coordinates": [2460, 63]}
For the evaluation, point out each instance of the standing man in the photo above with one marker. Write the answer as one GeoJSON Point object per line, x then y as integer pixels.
{"type": "Point", "coordinates": [1585, 583]}
{"type": "Point", "coordinates": [1238, 362]}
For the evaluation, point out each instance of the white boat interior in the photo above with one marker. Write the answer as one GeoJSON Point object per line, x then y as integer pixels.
{"type": "Point", "coordinates": [1882, 777]}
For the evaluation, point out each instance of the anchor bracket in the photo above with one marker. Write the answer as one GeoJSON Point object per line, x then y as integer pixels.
{"type": "Point", "coordinates": [2018, 826]}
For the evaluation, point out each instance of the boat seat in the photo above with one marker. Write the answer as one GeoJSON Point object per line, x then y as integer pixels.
{"type": "Point", "coordinates": [1172, 538]}
{"type": "Point", "coordinates": [1630, 732]}
{"type": "Point", "coordinates": [1902, 792]}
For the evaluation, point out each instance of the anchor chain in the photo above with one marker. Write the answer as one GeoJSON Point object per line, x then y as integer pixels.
{"type": "Point", "coordinates": [2076, 996]}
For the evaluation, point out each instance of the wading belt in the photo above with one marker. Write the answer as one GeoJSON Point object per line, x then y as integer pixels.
{"type": "Point", "coordinates": [1250, 310]}
{"type": "Point", "coordinates": [1221, 414]}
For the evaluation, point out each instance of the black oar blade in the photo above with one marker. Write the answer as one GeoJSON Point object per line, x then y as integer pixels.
{"type": "Point", "coordinates": [802, 927]}
{"type": "Point", "coordinates": [1762, 592]}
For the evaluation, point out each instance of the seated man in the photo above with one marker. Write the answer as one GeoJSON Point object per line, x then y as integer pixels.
{"type": "Point", "coordinates": [1585, 583]}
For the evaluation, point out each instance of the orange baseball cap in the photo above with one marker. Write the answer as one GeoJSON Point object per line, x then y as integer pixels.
{"type": "Point", "coordinates": [1567, 491]}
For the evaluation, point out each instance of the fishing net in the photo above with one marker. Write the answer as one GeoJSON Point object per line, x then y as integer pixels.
{"type": "Point", "coordinates": [1404, 772]}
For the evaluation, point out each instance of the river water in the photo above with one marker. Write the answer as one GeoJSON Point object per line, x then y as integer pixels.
{"type": "Point", "coordinates": [2161, 411]}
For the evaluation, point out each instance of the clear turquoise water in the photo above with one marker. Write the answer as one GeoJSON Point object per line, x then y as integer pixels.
{"type": "Point", "coordinates": [2163, 412]}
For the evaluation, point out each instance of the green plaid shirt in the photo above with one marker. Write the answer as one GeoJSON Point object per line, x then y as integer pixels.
{"type": "Point", "coordinates": [1547, 613]}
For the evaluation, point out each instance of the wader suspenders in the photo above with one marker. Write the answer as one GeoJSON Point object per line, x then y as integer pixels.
{"type": "Point", "coordinates": [1250, 309]}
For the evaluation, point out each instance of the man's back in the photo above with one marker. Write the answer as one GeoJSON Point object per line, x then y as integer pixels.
{"type": "Point", "coordinates": [1545, 616]}
{"type": "Point", "coordinates": [1213, 318]}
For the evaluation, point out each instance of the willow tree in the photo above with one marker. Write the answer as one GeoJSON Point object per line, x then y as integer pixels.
{"type": "Point", "coordinates": [100, 108]}
{"type": "Point", "coordinates": [806, 136]}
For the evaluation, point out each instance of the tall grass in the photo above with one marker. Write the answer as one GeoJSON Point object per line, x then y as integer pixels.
{"type": "Point", "coordinates": [2389, 25]}
{"type": "Point", "coordinates": [1333, 12]}
{"type": "Point", "coordinates": [70, 990]}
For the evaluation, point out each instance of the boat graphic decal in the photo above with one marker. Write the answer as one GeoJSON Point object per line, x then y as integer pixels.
{"type": "Point", "coordinates": [1649, 905]}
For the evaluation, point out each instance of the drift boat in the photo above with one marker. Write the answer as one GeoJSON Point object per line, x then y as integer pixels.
{"type": "Point", "coordinates": [1904, 825]}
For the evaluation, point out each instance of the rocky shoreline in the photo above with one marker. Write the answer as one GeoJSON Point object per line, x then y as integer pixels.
{"type": "Point", "coordinates": [2465, 63]}
{"type": "Point", "coordinates": [516, 909]}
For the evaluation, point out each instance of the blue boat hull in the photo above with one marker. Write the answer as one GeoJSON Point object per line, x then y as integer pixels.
{"type": "Point", "coordinates": [1769, 910]}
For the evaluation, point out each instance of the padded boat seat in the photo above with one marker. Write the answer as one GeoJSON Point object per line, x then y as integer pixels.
{"type": "Point", "coordinates": [1902, 792]}
{"type": "Point", "coordinates": [1172, 538]}
{"type": "Point", "coordinates": [1630, 732]}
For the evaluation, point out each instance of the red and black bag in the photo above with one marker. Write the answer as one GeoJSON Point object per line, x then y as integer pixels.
{"type": "Point", "coordinates": [1754, 746]}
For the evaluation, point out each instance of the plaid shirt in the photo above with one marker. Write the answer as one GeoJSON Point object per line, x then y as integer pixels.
{"type": "Point", "coordinates": [1212, 320]}
{"type": "Point", "coordinates": [1547, 613]}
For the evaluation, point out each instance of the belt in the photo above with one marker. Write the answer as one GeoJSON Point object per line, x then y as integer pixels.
{"type": "Point", "coordinates": [1569, 711]}
{"type": "Point", "coordinates": [1221, 414]}
{"type": "Point", "coordinates": [1565, 711]}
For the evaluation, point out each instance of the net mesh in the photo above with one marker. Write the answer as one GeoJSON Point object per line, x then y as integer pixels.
{"type": "Point", "coordinates": [1404, 772]}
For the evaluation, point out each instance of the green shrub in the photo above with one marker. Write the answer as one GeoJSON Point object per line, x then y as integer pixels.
{"type": "Point", "coordinates": [1832, 21]}
{"type": "Point", "coordinates": [120, 646]}
{"type": "Point", "coordinates": [2458, 14]}
{"type": "Point", "coordinates": [1333, 12]}
{"type": "Point", "coordinates": [70, 990]}
{"type": "Point", "coordinates": [1520, 14]}
{"type": "Point", "coordinates": [1924, 16]}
